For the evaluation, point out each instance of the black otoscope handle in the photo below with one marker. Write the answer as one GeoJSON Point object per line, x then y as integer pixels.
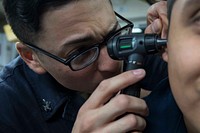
{"type": "Point", "coordinates": [134, 61]}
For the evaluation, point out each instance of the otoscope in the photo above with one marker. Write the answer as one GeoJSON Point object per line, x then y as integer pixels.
{"type": "Point", "coordinates": [132, 49]}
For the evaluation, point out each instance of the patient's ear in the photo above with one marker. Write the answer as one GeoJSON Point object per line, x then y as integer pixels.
{"type": "Point", "coordinates": [30, 58]}
{"type": "Point", "coordinates": [165, 55]}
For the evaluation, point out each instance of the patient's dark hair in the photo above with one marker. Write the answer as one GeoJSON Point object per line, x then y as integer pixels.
{"type": "Point", "coordinates": [24, 16]}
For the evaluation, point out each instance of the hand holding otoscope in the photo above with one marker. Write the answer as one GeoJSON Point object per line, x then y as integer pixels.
{"type": "Point", "coordinates": [132, 49]}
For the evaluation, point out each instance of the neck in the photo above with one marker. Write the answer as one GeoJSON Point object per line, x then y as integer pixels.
{"type": "Point", "coordinates": [190, 127]}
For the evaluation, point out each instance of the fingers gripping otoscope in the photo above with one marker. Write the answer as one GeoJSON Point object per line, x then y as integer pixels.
{"type": "Point", "coordinates": [132, 49]}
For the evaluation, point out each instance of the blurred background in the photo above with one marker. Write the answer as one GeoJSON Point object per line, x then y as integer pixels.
{"type": "Point", "coordinates": [134, 10]}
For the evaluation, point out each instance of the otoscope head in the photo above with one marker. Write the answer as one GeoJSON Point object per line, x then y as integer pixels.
{"type": "Point", "coordinates": [120, 47]}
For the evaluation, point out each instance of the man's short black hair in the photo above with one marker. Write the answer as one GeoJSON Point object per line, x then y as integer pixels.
{"type": "Point", "coordinates": [24, 16]}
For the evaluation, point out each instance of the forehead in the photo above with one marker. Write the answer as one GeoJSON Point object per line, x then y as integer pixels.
{"type": "Point", "coordinates": [79, 11]}
{"type": "Point", "coordinates": [77, 19]}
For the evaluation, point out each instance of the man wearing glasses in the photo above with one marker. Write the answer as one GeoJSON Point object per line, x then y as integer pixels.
{"type": "Point", "coordinates": [63, 58]}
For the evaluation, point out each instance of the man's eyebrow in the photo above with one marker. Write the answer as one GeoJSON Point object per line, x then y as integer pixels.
{"type": "Point", "coordinates": [113, 29]}
{"type": "Point", "coordinates": [77, 39]}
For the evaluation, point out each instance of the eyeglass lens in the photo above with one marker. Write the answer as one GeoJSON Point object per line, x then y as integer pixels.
{"type": "Point", "coordinates": [85, 58]}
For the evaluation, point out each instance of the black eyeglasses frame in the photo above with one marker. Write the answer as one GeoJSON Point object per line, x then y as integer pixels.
{"type": "Point", "coordinates": [67, 61]}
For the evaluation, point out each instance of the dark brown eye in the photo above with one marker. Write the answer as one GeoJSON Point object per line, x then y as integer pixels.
{"type": "Point", "coordinates": [85, 58]}
{"type": "Point", "coordinates": [76, 51]}
{"type": "Point", "coordinates": [153, 1]}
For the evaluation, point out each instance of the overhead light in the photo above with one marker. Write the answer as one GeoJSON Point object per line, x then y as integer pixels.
{"type": "Point", "coordinates": [9, 33]}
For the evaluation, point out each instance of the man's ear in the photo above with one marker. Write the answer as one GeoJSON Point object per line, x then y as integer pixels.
{"type": "Point", "coordinates": [30, 58]}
